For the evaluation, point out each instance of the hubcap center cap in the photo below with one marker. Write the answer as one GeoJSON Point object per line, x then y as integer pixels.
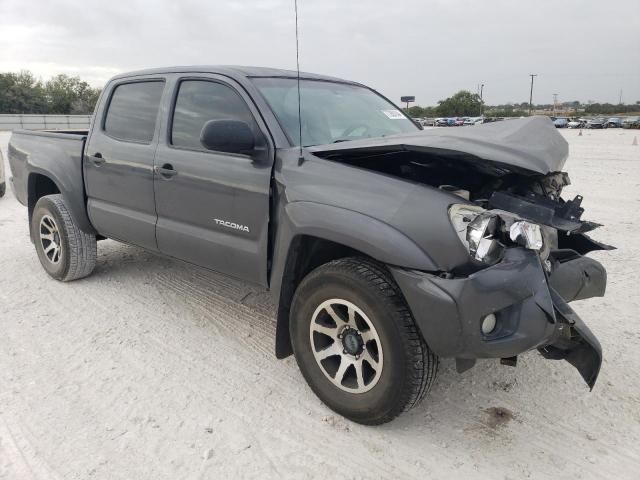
{"type": "Point", "coordinates": [352, 342]}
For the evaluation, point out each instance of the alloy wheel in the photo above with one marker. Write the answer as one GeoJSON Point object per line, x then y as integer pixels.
{"type": "Point", "coordinates": [346, 346]}
{"type": "Point", "coordinates": [50, 239]}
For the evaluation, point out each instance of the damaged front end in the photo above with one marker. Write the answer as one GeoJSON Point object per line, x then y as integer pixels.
{"type": "Point", "coordinates": [525, 243]}
{"type": "Point", "coordinates": [538, 219]}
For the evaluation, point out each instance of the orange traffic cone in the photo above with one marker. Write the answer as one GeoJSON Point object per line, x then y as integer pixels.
{"type": "Point", "coordinates": [635, 141]}
{"type": "Point", "coordinates": [580, 133]}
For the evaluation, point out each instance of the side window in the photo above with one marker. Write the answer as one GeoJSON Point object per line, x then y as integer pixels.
{"type": "Point", "coordinates": [200, 101]}
{"type": "Point", "coordinates": [133, 110]}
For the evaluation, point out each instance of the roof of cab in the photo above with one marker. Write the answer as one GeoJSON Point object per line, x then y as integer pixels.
{"type": "Point", "coordinates": [233, 71]}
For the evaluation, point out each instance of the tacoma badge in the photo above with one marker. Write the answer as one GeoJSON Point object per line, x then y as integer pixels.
{"type": "Point", "coordinates": [233, 225]}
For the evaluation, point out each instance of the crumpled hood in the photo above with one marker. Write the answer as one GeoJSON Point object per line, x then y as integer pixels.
{"type": "Point", "coordinates": [532, 144]}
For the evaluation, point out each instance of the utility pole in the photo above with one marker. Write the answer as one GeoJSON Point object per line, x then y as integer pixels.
{"type": "Point", "coordinates": [532, 75]}
{"type": "Point", "coordinates": [620, 98]}
{"type": "Point", "coordinates": [481, 103]}
{"type": "Point", "coordinates": [555, 102]}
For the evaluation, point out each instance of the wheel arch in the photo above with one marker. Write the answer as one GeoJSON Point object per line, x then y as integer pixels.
{"type": "Point", "coordinates": [311, 234]}
{"type": "Point", "coordinates": [305, 253]}
{"type": "Point", "coordinates": [41, 183]}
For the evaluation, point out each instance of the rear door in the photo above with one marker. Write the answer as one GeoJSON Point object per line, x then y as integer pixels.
{"type": "Point", "coordinates": [118, 163]}
{"type": "Point", "coordinates": [213, 207]}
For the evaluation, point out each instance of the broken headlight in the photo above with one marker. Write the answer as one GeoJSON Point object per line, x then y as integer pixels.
{"type": "Point", "coordinates": [527, 234]}
{"type": "Point", "coordinates": [478, 230]}
{"type": "Point", "coordinates": [487, 233]}
{"type": "Point", "coordinates": [482, 238]}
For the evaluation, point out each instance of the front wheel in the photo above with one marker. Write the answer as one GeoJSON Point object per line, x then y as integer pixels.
{"type": "Point", "coordinates": [65, 252]}
{"type": "Point", "coordinates": [356, 342]}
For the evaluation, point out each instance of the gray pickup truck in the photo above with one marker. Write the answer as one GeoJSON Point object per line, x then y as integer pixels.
{"type": "Point", "coordinates": [385, 246]}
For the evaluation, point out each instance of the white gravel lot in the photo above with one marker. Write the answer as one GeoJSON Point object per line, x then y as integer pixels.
{"type": "Point", "coordinates": [154, 369]}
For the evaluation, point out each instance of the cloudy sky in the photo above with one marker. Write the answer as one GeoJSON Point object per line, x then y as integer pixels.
{"type": "Point", "coordinates": [580, 49]}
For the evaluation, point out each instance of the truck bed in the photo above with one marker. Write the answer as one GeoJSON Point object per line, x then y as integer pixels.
{"type": "Point", "coordinates": [58, 154]}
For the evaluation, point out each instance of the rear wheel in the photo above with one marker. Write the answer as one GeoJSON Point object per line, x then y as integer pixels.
{"type": "Point", "coordinates": [356, 343]}
{"type": "Point", "coordinates": [65, 252]}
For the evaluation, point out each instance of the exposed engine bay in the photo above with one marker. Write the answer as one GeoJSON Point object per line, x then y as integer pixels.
{"type": "Point", "coordinates": [508, 204]}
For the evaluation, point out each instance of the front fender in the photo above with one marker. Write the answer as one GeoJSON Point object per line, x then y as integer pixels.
{"type": "Point", "coordinates": [346, 227]}
{"type": "Point", "coordinates": [360, 232]}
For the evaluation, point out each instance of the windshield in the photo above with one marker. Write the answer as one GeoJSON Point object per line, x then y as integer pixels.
{"type": "Point", "coordinates": [331, 112]}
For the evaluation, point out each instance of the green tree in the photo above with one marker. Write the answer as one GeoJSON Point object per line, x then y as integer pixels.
{"type": "Point", "coordinates": [462, 104]}
{"type": "Point", "coordinates": [417, 111]}
{"type": "Point", "coordinates": [24, 93]}
{"type": "Point", "coordinates": [21, 93]}
{"type": "Point", "coordinates": [70, 95]}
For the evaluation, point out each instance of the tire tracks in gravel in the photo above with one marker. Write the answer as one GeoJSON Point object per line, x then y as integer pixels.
{"type": "Point", "coordinates": [19, 457]}
{"type": "Point", "coordinates": [218, 301]}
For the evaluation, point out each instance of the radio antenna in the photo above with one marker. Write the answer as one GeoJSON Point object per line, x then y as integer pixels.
{"type": "Point", "coordinates": [301, 158]}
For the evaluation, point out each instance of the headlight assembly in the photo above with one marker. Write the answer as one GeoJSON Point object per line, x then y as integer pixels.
{"type": "Point", "coordinates": [527, 234]}
{"type": "Point", "coordinates": [486, 233]}
{"type": "Point", "coordinates": [478, 229]}
{"type": "Point", "coordinates": [481, 237]}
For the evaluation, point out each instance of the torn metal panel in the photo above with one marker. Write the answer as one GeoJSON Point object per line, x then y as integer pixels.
{"type": "Point", "coordinates": [575, 343]}
{"type": "Point", "coordinates": [559, 214]}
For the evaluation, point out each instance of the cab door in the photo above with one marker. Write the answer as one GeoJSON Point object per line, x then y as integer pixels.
{"type": "Point", "coordinates": [118, 162]}
{"type": "Point", "coordinates": [213, 206]}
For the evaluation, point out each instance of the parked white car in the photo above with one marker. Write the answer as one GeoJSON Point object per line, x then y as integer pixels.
{"type": "Point", "coordinates": [579, 123]}
{"type": "Point", "coordinates": [474, 121]}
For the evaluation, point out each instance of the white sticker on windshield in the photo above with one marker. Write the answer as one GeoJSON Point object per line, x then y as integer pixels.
{"type": "Point", "coordinates": [393, 114]}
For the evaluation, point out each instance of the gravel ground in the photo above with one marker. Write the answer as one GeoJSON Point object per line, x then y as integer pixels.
{"type": "Point", "coordinates": [154, 369]}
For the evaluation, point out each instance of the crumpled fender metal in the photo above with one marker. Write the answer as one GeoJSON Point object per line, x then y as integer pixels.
{"type": "Point", "coordinates": [581, 243]}
{"type": "Point", "coordinates": [448, 311]}
{"type": "Point", "coordinates": [530, 312]}
{"type": "Point", "coordinates": [575, 343]}
{"type": "Point", "coordinates": [576, 277]}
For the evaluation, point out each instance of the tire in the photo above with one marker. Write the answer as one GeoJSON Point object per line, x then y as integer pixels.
{"type": "Point", "coordinates": [391, 368]}
{"type": "Point", "coordinates": [65, 252]}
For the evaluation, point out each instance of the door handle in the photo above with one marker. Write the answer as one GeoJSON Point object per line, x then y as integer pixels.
{"type": "Point", "coordinates": [97, 158]}
{"type": "Point", "coordinates": [166, 170]}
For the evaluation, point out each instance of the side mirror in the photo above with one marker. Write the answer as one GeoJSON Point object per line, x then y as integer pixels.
{"type": "Point", "coordinates": [231, 136]}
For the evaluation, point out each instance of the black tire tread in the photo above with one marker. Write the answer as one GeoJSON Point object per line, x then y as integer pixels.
{"type": "Point", "coordinates": [423, 366]}
{"type": "Point", "coordinates": [83, 249]}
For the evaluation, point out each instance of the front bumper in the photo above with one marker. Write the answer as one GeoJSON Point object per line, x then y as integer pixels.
{"type": "Point", "coordinates": [531, 310]}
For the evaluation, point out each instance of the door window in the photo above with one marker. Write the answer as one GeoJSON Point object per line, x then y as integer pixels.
{"type": "Point", "coordinates": [198, 102]}
{"type": "Point", "coordinates": [133, 111]}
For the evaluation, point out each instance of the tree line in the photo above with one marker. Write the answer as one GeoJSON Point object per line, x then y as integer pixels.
{"type": "Point", "coordinates": [23, 92]}
{"type": "Point", "coordinates": [467, 104]}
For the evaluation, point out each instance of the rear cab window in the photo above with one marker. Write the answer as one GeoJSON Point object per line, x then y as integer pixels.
{"type": "Point", "coordinates": [133, 111]}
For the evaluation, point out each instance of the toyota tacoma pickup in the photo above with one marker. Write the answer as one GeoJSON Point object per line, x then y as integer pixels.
{"type": "Point", "coordinates": [385, 246]}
